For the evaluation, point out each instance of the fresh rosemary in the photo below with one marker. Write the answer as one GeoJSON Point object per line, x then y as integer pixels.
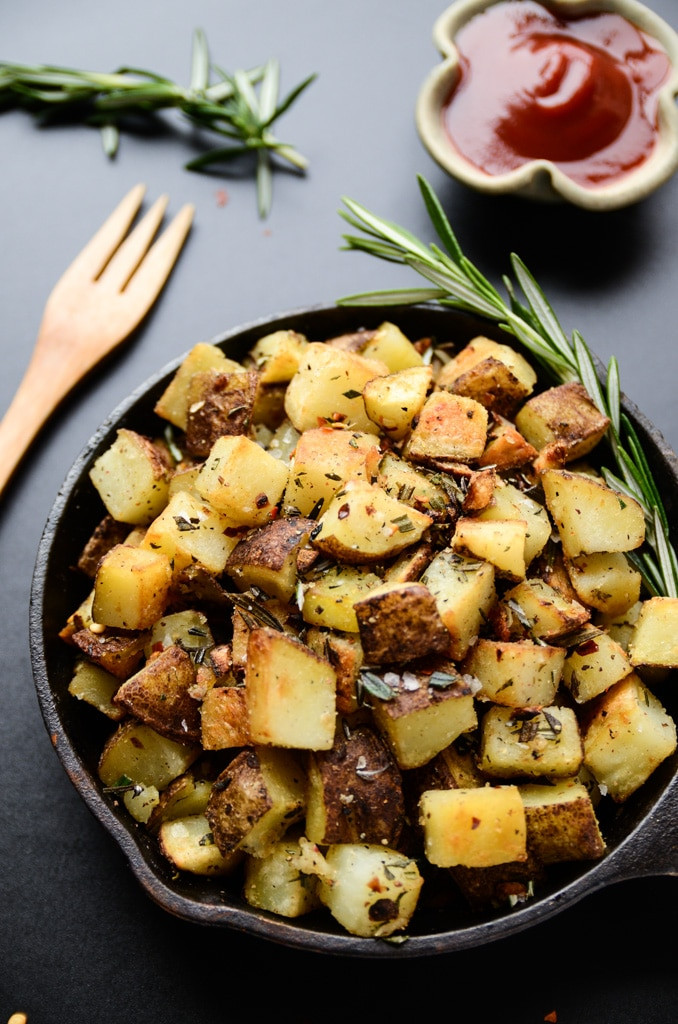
{"type": "Point", "coordinates": [240, 107]}
{"type": "Point", "coordinates": [456, 282]}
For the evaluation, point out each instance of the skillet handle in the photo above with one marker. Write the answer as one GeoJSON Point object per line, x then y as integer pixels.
{"type": "Point", "coordinates": [652, 848]}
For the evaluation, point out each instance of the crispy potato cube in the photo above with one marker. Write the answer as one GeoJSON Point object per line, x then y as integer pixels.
{"type": "Point", "coordinates": [267, 557]}
{"type": "Point", "coordinates": [593, 666]}
{"type": "Point", "coordinates": [449, 427]}
{"type": "Point", "coordinates": [605, 581]}
{"type": "Point", "coordinates": [328, 387]}
{"type": "Point", "coordinates": [373, 891]}
{"type": "Point", "coordinates": [256, 798]}
{"type": "Point", "coordinates": [345, 654]}
{"type": "Point", "coordinates": [476, 827]}
{"type": "Point", "coordinates": [188, 845]}
{"type": "Point", "coordinates": [506, 447]}
{"type": "Point", "coordinates": [183, 797]}
{"type": "Point", "coordinates": [518, 673]}
{"type": "Point", "coordinates": [189, 531]}
{"type": "Point", "coordinates": [589, 515]}
{"type": "Point", "coordinates": [530, 743]}
{"type": "Point", "coordinates": [534, 608]}
{"type": "Point", "coordinates": [354, 791]}
{"type": "Point", "coordinates": [329, 600]}
{"type": "Point", "coordinates": [563, 420]}
{"type": "Point", "coordinates": [159, 695]}
{"type": "Point", "coordinates": [276, 356]}
{"type": "Point", "coordinates": [393, 402]}
{"type": "Point", "coordinates": [654, 640]}
{"type": "Point", "coordinates": [220, 403]}
{"type": "Point", "coordinates": [464, 590]}
{"type": "Point", "coordinates": [561, 823]}
{"type": "Point", "coordinates": [621, 627]}
{"type": "Point", "coordinates": [400, 622]}
{"type": "Point", "coordinates": [174, 401]}
{"type": "Point", "coordinates": [324, 459]}
{"type": "Point", "coordinates": [275, 882]}
{"type": "Point", "coordinates": [131, 587]}
{"type": "Point", "coordinates": [498, 541]}
{"type": "Point", "coordinates": [94, 685]}
{"type": "Point", "coordinates": [509, 502]}
{"type": "Point", "coordinates": [118, 654]}
{"type": "Point", "coordinates": [188, 628]}
{"type": "Point", "coordinates": [389, 345]}
{"type": "Point", "coordinates": [426, 712]}
{"type": "Point", "coordinates": [132, 478]}
{"type": "Point", "coordinates": [105, 536]}
{"type": "Point", "coordinates": [137, 753]}
{"type": "Point", "coordinates": [223, 718]}
{"type": "Point", "coordinates": [290, 692]}
{"type": "Point", "coordinates": [412, 487]}
{"type": "Point", "coordinates": [242, 480]}
{"type": "Point", "coordinates": [627, 737]}
{"type": "Point", "coordinates": [493, 374]}
{"type": "Point", "coordinates": [363, 524]}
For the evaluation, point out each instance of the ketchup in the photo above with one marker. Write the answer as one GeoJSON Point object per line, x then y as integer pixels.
{"type": "Point", "coordinates": [580, 91]}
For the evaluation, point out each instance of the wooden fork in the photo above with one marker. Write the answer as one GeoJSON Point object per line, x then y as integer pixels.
{"type": "Point", "coordinates": [97, 303]}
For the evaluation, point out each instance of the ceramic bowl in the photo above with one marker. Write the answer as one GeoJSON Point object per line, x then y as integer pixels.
{"type": "Point", "coordinates": [641, 836]}
{"type": "Point", "coordinates": [541, 179]}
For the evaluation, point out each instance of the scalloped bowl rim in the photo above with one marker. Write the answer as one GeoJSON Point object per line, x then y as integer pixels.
{"type": "Point", "coordinates": [542, 179]}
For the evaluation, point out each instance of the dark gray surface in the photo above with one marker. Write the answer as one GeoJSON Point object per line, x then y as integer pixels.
{"type": "Point", "coordinates": [78, 940]}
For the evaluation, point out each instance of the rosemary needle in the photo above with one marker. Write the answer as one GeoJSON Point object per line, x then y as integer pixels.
{"type": "Point", "coordinates": [454, 281]}
{"type": "Point", "coordinates": [240, 108]}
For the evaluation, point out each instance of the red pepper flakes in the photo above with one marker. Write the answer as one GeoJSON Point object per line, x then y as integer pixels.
{"type": "Point", "coordinates": [222, 197]}
{"type": "Point", "coordinates": [552, 1017]}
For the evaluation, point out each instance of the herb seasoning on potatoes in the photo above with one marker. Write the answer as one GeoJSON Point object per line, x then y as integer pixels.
{"type": "Point", "coordinates": [362, 617]}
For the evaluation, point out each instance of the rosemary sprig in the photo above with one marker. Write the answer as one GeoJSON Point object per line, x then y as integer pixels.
{"type": "Point", "coordinates": [456, 282]}
{"type": "Point", "coordinates": [240, 107]}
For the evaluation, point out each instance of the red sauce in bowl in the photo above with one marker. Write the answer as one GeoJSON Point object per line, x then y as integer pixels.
{"type": "Point", "coordinates": [579, 91]}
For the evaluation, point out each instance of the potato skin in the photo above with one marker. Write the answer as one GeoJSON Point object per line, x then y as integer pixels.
{"type": "Point", "coordinates": [158, 695]}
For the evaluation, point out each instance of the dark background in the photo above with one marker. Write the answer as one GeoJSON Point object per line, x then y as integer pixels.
{"type": "Point", "coordinates": [79, 941]}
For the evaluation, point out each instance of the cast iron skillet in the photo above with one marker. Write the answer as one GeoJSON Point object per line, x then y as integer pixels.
{"type": "Point", "coordinates": [641, 835]}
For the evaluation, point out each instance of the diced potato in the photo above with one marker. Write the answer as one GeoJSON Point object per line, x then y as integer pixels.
{"type": "Point", "coordinates": [106, 534]}
{"type": "Point", "coordinates": [506, 448]}
{"type": "Point", "coordinates": [267, 557]}
{"type": "Point", "coordinates": [494, 374]}
{"type": "Point", "coordinates": [159, 695]}
{"type": "Point", "coordinates": [220, 404]}
{"type": "Point", "coordinates": [412, 486]}
{"type": "Point", "coordinates": [328, 387]}
{"type": "Point", "coordinates": [498, 541]}
{"type": "Point", "coordinates": [473, 827]}
{"type": "Point", "coordinates": [189, 530]}
{"type": "Point", "coordinates": [329, 600]}
{"type": "Point", "coordinates": [426, 713]}
{"type": "Point", "coordinates": [589, 515]}
{"type": "Point", "coordinates": [627, 737]}
{"type": "Point", "coordinates": [393, 402]}
{"type": "Point", "coordinates": [189, 628]}
{"type": "Point", "coordinates": [119, 654]}
{"type": "Point", "coordinates": [518, 673]}
{"type": "Point", "coordinates": [509, 502]}
{"type": "Point", "coordinates": [389, 345]}
{"type": "Point", "coordinates": [450, 427]}
{"type": "Point", "coordinates": [561, 823]}
{"type": "Point", "coordinates": [276, 884]}
{"type": "Point", "coordinates": [277, 356]}
{"type": "Point", "coordinates": [373, 891]}
{"type": "Point", "coordinates": [290, 693]}
{"type": "Point", "coordinates": [465, 592]}
{"type": "Point", "coordinates": [654, 641]}
{"type": "Point", "coordinates": [255, 800]}
{"type": "Point", "coordinates": [242, 480]}
{"type": "Point", "coordinates": [400, 622]}
{"type": "Point", "coordinates": [562, 422]}
{"type": "Point", "coordinates": [324, 459]}
{"type": "Point", "coordinates": [174, 401]}
{"type": "Point", "coordinates": [95, 686]}
{"type": "Point", "coordinates": [189, 845]}
{"type": "Point", "coordinates": [515, 743]}
{"type": "Point", "coordinates": [345, 655]}
{"type": "Point", "coordinates": [363, 524]}
{"type": "Point", "coordinates": [593, 666]}
{"type": "Point", "coordinates": [131, 587]}
{"type": "Point", "coordinates": [132, 478]}
{"type": "Point", "coordinates": [354, 791]}
{"type": "Point", "coordinates": [533, 608]}
{"type": "Point", "coordinates": [137, 753]}
{"type": "Point", "coordinates": [223, 718]}
{"type": "Point", "coordinates": [185, 796]}
{"type": "Point", "coordinates": [141, 801]}
{"type": "Point", "coordinates": [605, 581]}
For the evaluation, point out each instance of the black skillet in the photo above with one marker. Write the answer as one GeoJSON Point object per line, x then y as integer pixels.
{"type": "Point", "coordinates": [641, 835]}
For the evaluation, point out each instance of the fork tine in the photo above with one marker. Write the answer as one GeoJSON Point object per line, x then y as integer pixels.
{"type": "Point", "coordinates": [91, 260]}
{"type": "Point", "coordinates": [132, 250]}
{"type": "Point", "coordinates": [145, 285]}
